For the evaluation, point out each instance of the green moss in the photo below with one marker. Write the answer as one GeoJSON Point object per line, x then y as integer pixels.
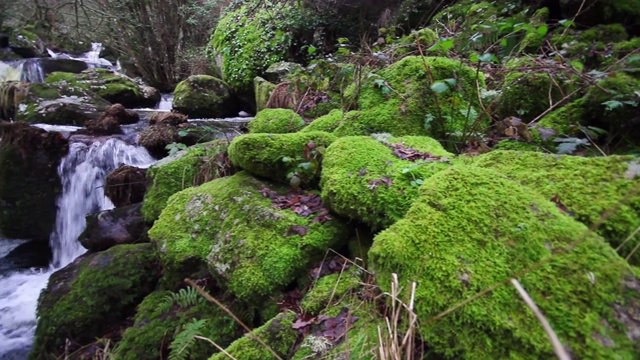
{"type": "Point", "coordinates": [588, 187]}
{"type": "Point", "coordinates": [92, 295]}
{"type": "Point", "coordinates": [508, 144]}
{"type": "Point", "coordinates": [276, 156]}
{"type": "Point", "coordinates": [203, 96]}
{"type": "Point", "coordinates": [250, 38]}
{"type": "Point", "coordinates": [278, 334]}
{"type": "Point", "coordinates": [609, 33]}
{"type": "Point", "coordinates": [362, 179]}
{"type": "Point", "coordinates": [185, 169]}
{"type": "Point", "coordinates": [276, 121]}
{"type": "Point", "coordinates": [470, 229]}
{"type": "Point", "coordinates": [328, 122]}
{"type": "Point", "coordinates": [330, 289]}
{"type": "Point", "coordinates": [564, 120]}
{"type": "Point", "coordinates": [619, 89]}
{"type": "Point", "coordinates": [262, 88]}
{"type": "Point", "coordinates": [526, 94]}
{"type": "Point", "coordinates": [247, 242]}
{"type": "Point", "coordinates": [390, 103]}
{"type": "Point", "coordinates": [158, 319]}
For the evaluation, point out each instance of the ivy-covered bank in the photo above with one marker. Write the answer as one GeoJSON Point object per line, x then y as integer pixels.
{"type": "Point", "coordinates": [386, 194]}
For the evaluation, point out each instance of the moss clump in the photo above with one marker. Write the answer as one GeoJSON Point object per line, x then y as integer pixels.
{"type": "Point", "coordinates": [328, 122]}
{"type": "Point", "coordinates": [276, 121]}
{"type": "Point", "coordinates": [389, 103]}
{"type": "Point", "coordinates": [263, 89]}
{"type": "Point", "coordinates": [188, 168]}
{"type": "Point", "coordinates": [330, 289]}
{"type": "Point", "coordinates": [92, 295]}
{"type": "Point", "coordinates": [470, 229]}
{"type": "Point", "coordinates": [277, 333]}
{"type": "Point", "coordinates": [564, 120]}
{"type": "Point", "coordinates": [526, 92]}
{"type": "Point", "coordinates": [509, 144]}
{"type": "Point", "coordinates": [250, 38]}
{"type": "Point", "coordinates": [159, 318]}
{"type": "Point", "coordinates": [203, 96]}
{"type": "Point", "coordinates": [252, 248]}
{"type": "Point", "coordinates": [606, 105]}
{"type": "Point", "coordinates": [279, 156]}
{"type": "Point", "coordinates": [362, 178]}
{"type": "Point", "coordinates": [588, 187]}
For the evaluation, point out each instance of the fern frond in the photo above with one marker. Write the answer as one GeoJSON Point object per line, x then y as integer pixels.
{"type": "Point", "coordinates": [184, 298]}
{"type": "Point", "coordinates": [180, 346]}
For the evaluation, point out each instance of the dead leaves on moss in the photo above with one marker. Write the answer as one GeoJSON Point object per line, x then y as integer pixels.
{"type": "Point", "coordinates": [405, 152]}
{"type": "Point", "coordinates": [303, 204]}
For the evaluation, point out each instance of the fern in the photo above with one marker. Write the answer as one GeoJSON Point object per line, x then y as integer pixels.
{"type": "Point", "coordinates": [180, 346]}
{"type": "Point", "coordinates": [184, 298]}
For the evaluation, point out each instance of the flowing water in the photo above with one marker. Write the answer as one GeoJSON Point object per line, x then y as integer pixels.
{"type": "Point", "coordinates": [83, 172]}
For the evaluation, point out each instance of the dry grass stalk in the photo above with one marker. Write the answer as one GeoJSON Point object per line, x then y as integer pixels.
{"type": "Point", "coordinates": [397, 343]}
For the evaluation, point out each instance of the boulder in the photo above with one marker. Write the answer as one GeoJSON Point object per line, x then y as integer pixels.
{"type": "Point", "coordinates": [471, 230]}
{"type": "Point", "coordinates": [192, 167]}
{"type": "Point", "coordinates": [29, 181]}
{"type": "Point", "coordinates": [155, 139]}
{"type": "Point", "coordinates": [262, 88]}
{"type": "Point", "coordinates": [278, 72]}
{"type": "Point", "coordinates": [586, 187]}
{"type": "Point", "coordinates": [109, 228]}
{"type": "Point", "coordinates": [123, 116]}
{"type": "Point", "coordinates": [126, 185]}
{"type": "Point", "coordinates": [105, 125]}
{"type": "Point", "coordinates": [55, 104]}
{"type": "Point", "coordinates": [276, 121]}
{"type": "Point", "coordinates": [278, 333]}
{"type": "Point", "coordinates": [167, 118]}
{"type": "Point", "coordinates": [204, 96]}
{"type": "Point", "coordinates": [109, 85]}
{"type": "Point", "coordinates": [50, 65]}
{"type": "Point", "coordinates": [280, 157]}
{"type": "Point", "coordinates": [92, 296]}
{"type": "Point", "coordinates": [242, 230]}
{"type": "Point", "coordinates": [163, 314]}
{"type": "Point", "coordinates": [329, 122]}
{"type": "Point", "coordinates": [375, 179]}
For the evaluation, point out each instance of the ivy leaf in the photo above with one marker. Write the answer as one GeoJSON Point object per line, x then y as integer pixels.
{"type": "Point", "coordinates": [311, 50]}
{"type": "Point", "coordinates": [439, 87]}
{"type": "Point", "coordinates": [488, 57]}
{"type": "Point", "coordinates": [542, 29]}
{"type": "Point", "coordinates": [566, 23]}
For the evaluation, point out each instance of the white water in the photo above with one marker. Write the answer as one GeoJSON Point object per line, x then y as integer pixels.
{"type": "Point", "coordinates": [166, 102]}
{"type": "Point", "coordinates": [92, 58]}
{"type": "Point", "coordinates": [83, 172]}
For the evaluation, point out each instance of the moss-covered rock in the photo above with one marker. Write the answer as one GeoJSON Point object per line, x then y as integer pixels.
{"type": "Point", "coordinates": [111, 86]}
{"type": "Point", "coordinates": [280, 156]}
{"type": "Point", "coordinates": [29, 181]}
{"type": "Point", "coordinates": [192, 167]}
{"type": "Point", "coordinates": [390, 103]}
{"type": "Point", "coordinates": [162, 315]}
{"type": "Point", "coordinates": [328, 122]}
{"type": "Point", "coordinates": [50, 103]}
{"type": "Point", "coordinates": [263, 89]}
{"type": "Point", "coordinates": [362, 178]}
{"type": "Point", "coordinates": [276, 121]}
{"type": "Point", "coordinates": [330, 289]}
{"type": "Point", "coordinates": [471, 229]}
{"type": "Point", "coordinates": [251, 247]}
{"type": "Point", "coordinates": [277, 333]}
{"type": "Point", "coordinates": [204, 96]}
{"type": "Point", "coordinates": [588, 187]}
{"type": "Point", "coordinates": [526, 92]}
{"type": "Point", "coordinates": [249, 39]}
{"type": "Point", "coordinates": [91, 296]}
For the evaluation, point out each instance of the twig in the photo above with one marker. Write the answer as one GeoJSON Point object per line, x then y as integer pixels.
{"type": "Point", "coordinates": [557, 345]}
{"type": "Point", "coordinates": [628, 238]}
{"type": "Point", "coordinates": [216, 345]}
{"type": "Point", "coordinates": [552, 107]}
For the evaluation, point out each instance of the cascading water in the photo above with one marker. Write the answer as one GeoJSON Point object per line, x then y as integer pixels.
{"type": "Point", "coordinates": [83, 172]}
{"type": "Point", "coordinates": [166, 102]}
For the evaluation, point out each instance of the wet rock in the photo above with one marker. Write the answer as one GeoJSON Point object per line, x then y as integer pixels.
{"type": "Point", "coordinates": [118, 226]}
{"type": "Point", "coordinates": [155, 139]}
{"type": "Point", "coordinates": [121, 114]}
{"type": "Point", "coordinates": [126, 185]}
{"type": "Point", "coordinates": [204, 96]}
{"type": "Point", "coordinates": [104, 126]}
{"type": "Point", "coordinates": [32, 254]}
{"type": "Point", "coordinates": [50, 65]}
{"type": "Point", "coordinates": [29, 181]}
{"type": "Point", "coordinates": [91, 296]}
{"type": "Point", "coordinates": [167, 118]}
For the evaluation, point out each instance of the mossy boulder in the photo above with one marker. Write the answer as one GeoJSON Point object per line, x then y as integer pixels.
{"type": "Point", "coordinates": [389, 103]}
{"type": "Point", "coordinates": [249, 39]}
{"type": "Point", "coordinates": [328, 122]}
{"type": "Point", "coordinates": [188, 168]}
{"type": "Point", "coordinates": [588, 187]}
{"type": "Point", "coordinates": [50, 103]}
{"type": "Point", "coordinates": [91, 296]}
{"type": "Point", "coordinates": [530, 85]}
{"type": "Point", "coordinates": [278, 333]}
{"type": "Point", "coordinates": [276, 121]}
{"type": "Point", "coordinates": [280, 156]}
{"type": "Point", "coordinates": [29, 181]}
{"type": "Point", "coordinates": [204, 96]}
{"type": "Point", "coordinates": [252, 248]}
{"type": "Point", "coordinates": [471, 229]}
{"type": "Point", "coordinates": [162, 315]}
{"type": "Point", "coordinates": [263, 89]}
{"type": "Point", "coordinates": [109, 85]}
{"type": "Point", "coordinates": [363, 179]}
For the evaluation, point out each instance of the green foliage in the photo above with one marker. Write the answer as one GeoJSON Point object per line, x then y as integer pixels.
{"type": "Point", "coordinates": [185, 297]}
{"type": "Point", "coordinates": [180, 346]}
{"type": "Point", "coordinates": [276, 121]}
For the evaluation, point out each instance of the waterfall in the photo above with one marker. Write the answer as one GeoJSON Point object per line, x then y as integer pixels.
{"type": "Point", "coordinates": [82, 172]}
{"type": "Point", "coordinates": [166, 102]}
{"type": "Point", "coordinates": [9, 72]}
{"type": "Point", "coordinates": [31, 70]}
